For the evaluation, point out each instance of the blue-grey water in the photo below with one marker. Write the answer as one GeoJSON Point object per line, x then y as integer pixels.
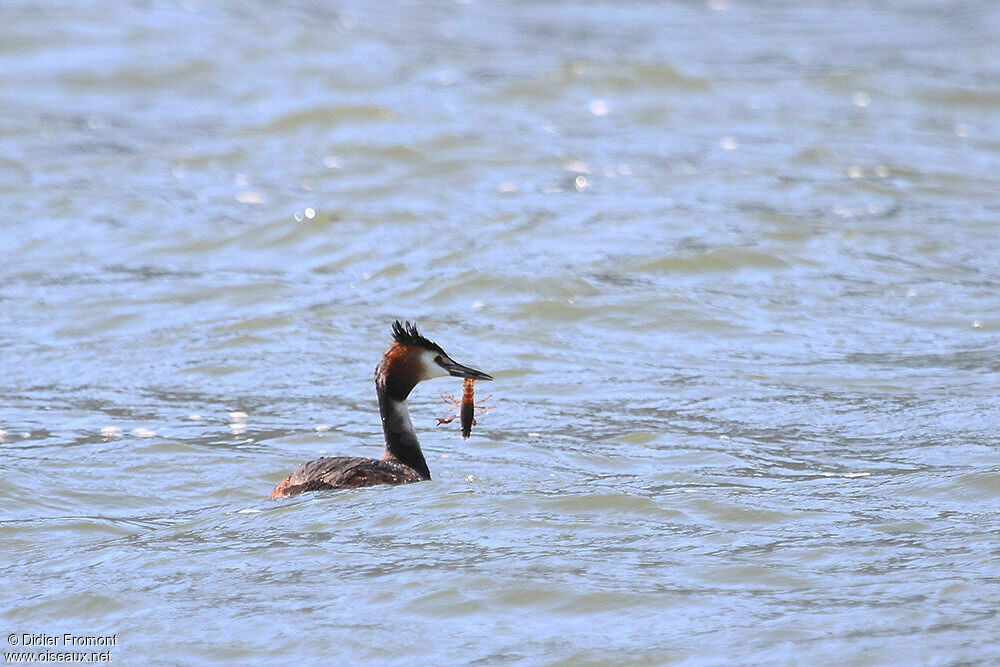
{"type": "Point", "coordinates": [735, 267]}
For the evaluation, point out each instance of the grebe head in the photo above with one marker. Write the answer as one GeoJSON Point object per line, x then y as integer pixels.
{"type": "Point", "coordinates": [412, 359]}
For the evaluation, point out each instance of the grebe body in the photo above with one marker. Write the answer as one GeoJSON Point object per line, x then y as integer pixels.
{"type": "Point", "coordinates": [410, 360]}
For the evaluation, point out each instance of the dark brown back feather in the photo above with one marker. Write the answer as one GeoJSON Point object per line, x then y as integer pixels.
{"type": "Point", "coordinates": [343, 472]}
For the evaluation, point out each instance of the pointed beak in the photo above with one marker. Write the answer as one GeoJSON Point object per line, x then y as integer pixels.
{"type": "Point", "coordinates": [458, 370]}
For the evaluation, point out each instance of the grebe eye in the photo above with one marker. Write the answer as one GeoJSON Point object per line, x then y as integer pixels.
{"type": "Point", "coordinates": [439, 360]}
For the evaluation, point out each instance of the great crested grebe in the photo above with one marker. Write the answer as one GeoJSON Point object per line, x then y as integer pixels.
{"type": "Point", "coordinates": [409, 360]}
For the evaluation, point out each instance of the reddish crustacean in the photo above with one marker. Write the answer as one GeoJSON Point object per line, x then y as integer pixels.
{"type": "Point", "coordinates": [468, 407]}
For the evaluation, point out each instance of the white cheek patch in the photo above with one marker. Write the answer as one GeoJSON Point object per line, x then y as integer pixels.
{"type": "Point", "coordinates": [431, 369]}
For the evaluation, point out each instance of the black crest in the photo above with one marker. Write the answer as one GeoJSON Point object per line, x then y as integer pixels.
{"type": "Point", "coordinates": [407, 334]}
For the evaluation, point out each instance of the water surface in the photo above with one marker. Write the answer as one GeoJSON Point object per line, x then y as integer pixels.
{"type": "Point", "coordinates": [735, 268]}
